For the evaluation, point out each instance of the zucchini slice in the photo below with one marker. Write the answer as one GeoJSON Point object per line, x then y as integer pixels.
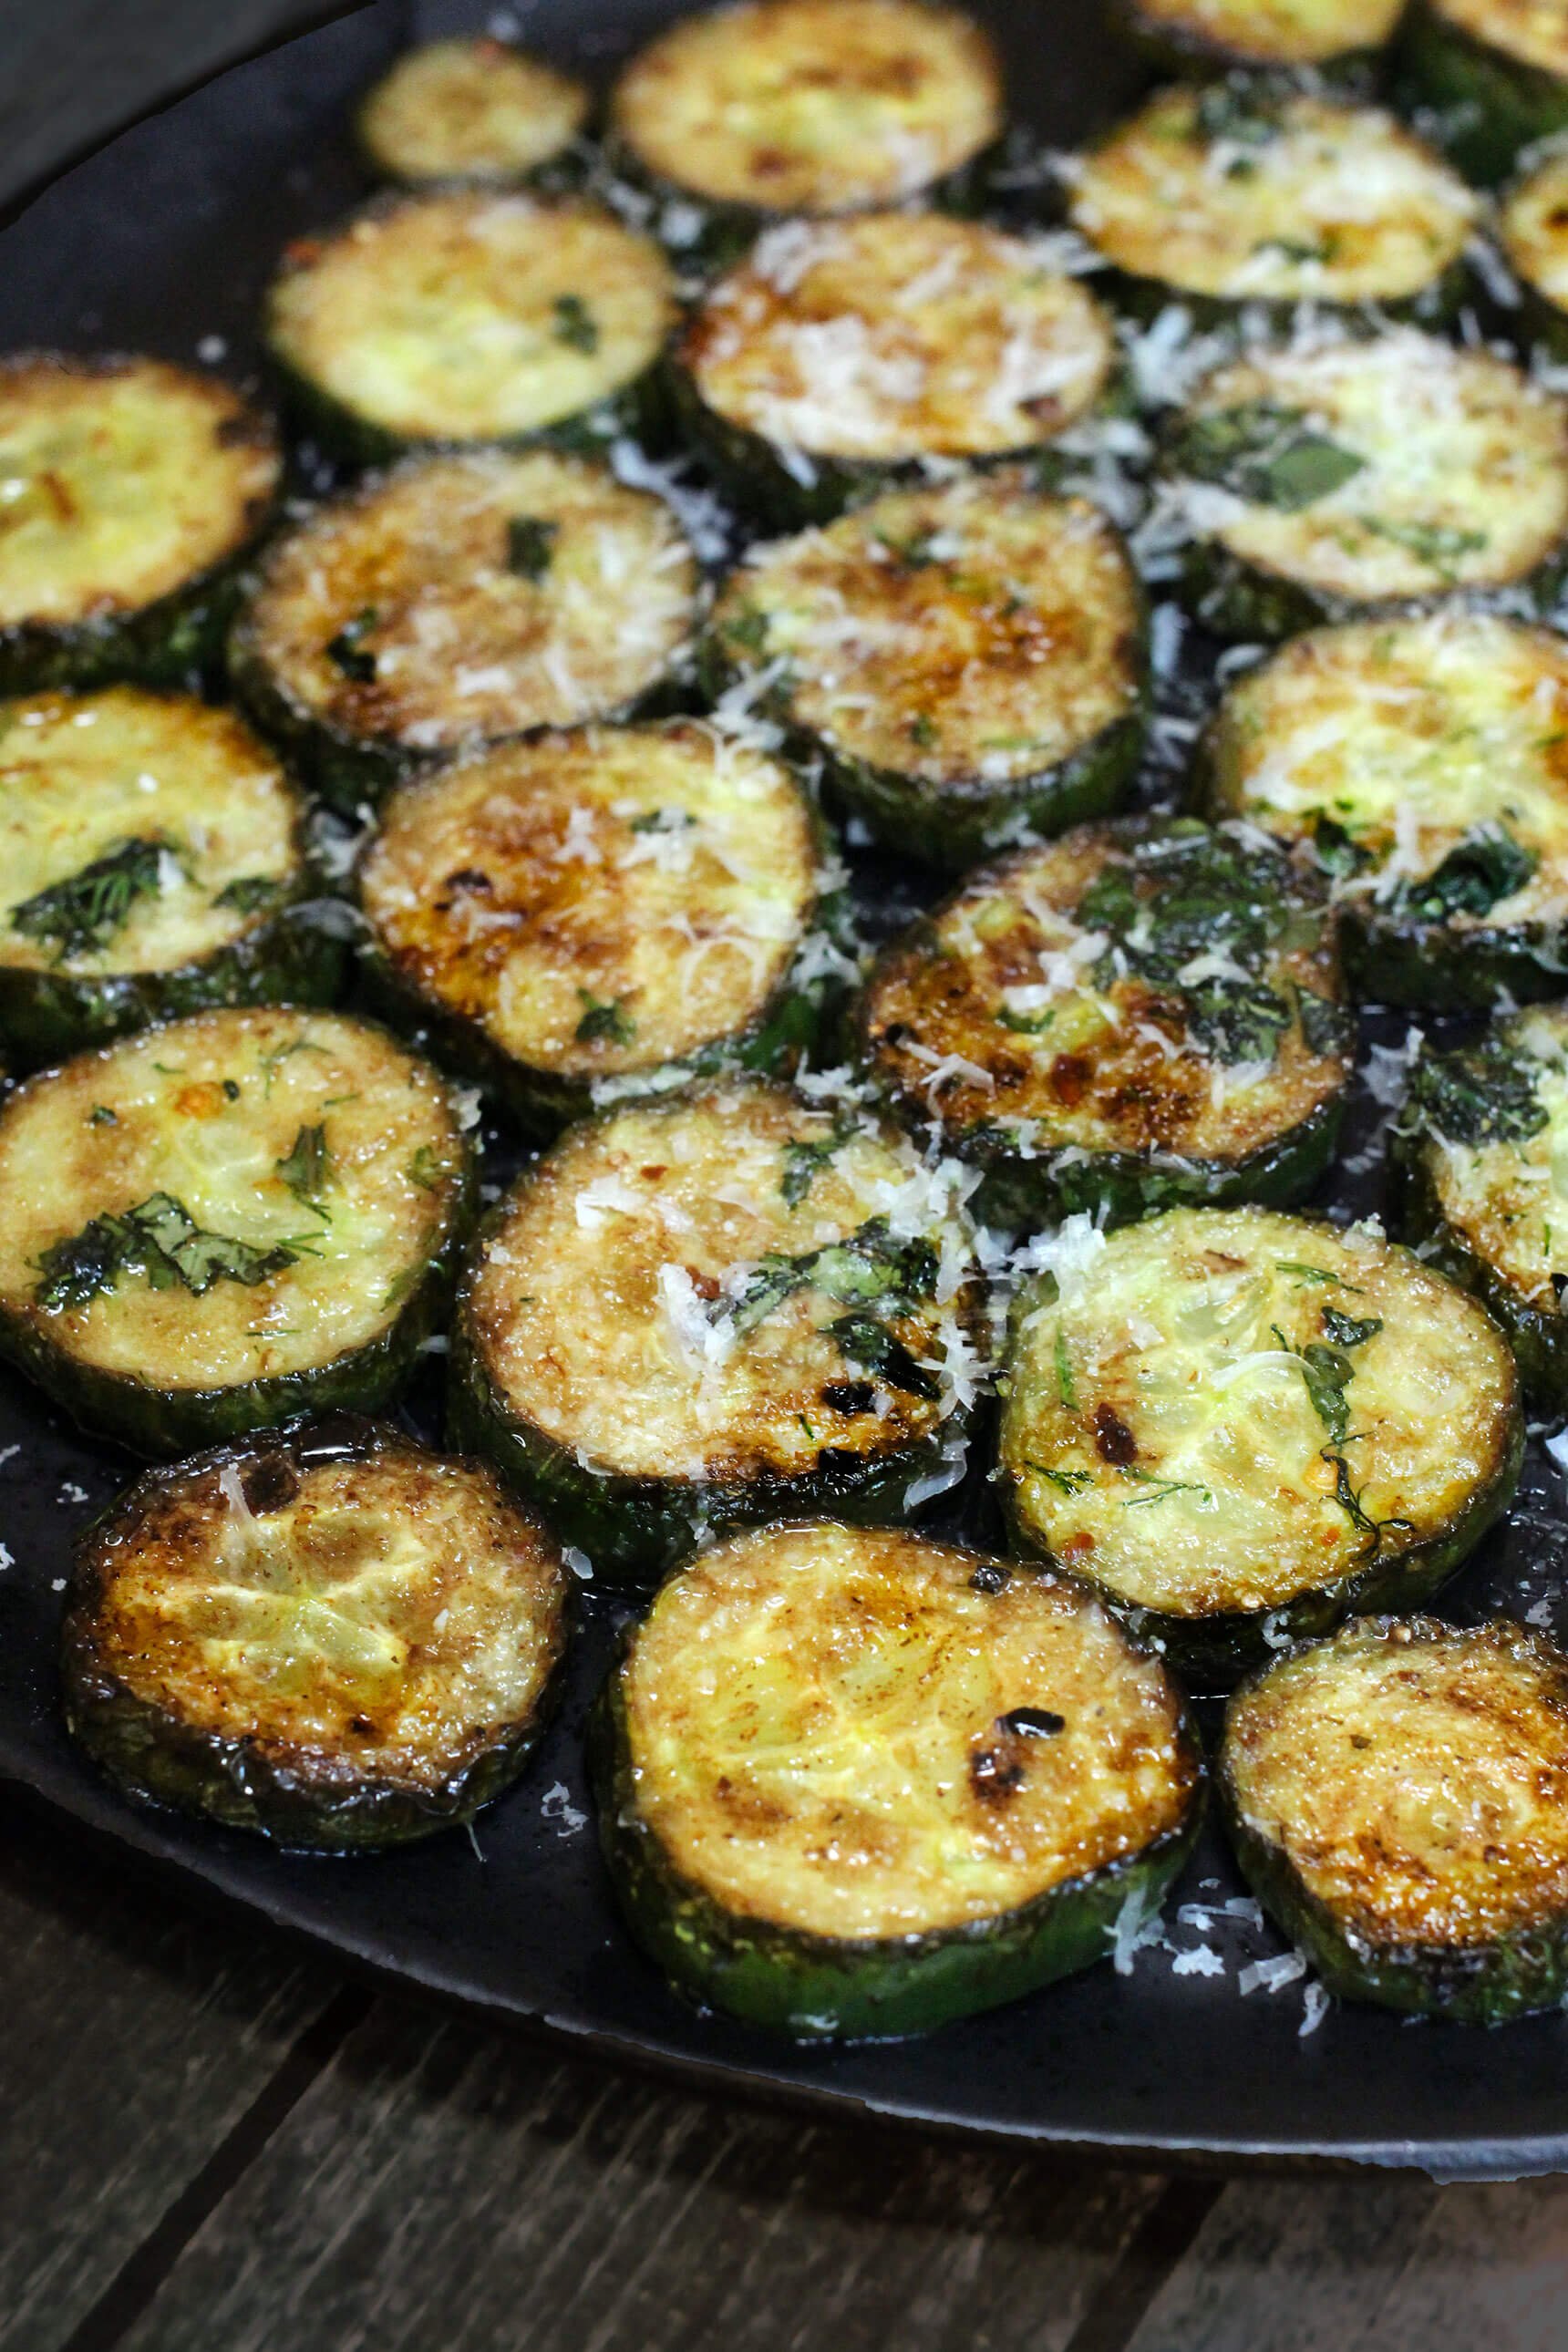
{"type": "Point", "coordinates": [854, 1783]}
{"type": "Point", "coordinates": [807, 106]}
{"type": "Point", "coordinates": [132, 488]}
{"type": "Point", "coordinates": [1493, 75]}
{"type": "Point", "coordinates": [1478, 1155]}
{"type": "Point", "coordinates": [1395, 1797]}
{"type": "Point", "coordinates": [968, 663]}
{"type": "Point", "coordinates": [1532, 229]}
{"type": "Point", "coordinates": [328, 1634]}
{"type": "Point", "coordinates": [1218, 37]}
{"type": "Point", "coordinates": [470, 316]}
{"type": "Point", "coordinates": [457, 601]}
{"type": "Point", "coordinates": [475, 112]}
{"type": "Point", "coordinates": [1325, 479]}
{"type": "Point", "coordinates": [152, 862]}
{"type": "Point", "coordinates": [223, 1220]}
{"type": "Point", "coordinates": [1139, 1013]}
{"type": "Point", "coordinates": [717, 1308]}
{"type": "Point", "coordinates": [842, 356]}
{"type": "Point", "coordinates": [1242, 1426]}
{"type": "Point", "coordinates": [1255, 191]}
{"type": "Point", "coordinates": [1422, 765]}
{"type": "Point", "coordinates": [617, 903]}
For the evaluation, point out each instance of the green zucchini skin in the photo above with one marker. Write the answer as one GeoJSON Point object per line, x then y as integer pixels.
{"type": "Point", "coordinates": [1540, 1341]}
{"type": "Point", "coordinates": [1210, 1653]}
{"type": "Point", "coordinates": [286, 958]}
{"type": "Point", "coordinates": [1436, 307]}
{"type": "Point", "coordinates": [1486, 1983]}
{"type": "Point", "coordinates": [757, 477]}
{"type": "Point", "coordinates": [636, 1530]}
{"type": "Point", "coordinates": [1181, 52]}
{"type": "Point", "coordinates": [818, 1987]}
{"type": "Point", "coordinates": [1243, 601]}
{"type": "Point", "coordinates": [176, 642]}
{"type": "Point", "coordinates": [1486, 106]}
{"type": "Point", "coordinates": [149, 1751]}
{"type": "Point", "coordinates": [1428, 966]}
{"type": "Point", "coordinates": [1118, 1188]}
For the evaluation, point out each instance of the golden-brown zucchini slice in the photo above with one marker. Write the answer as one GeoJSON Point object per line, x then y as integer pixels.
{"type": "Point", "coordinates": [1532, 229]}
{"type": "Point", "coordinates": [1491, 74]}
{"type": "Point", "coordinates": [807, 106]}
{"type": "Point", "coordinates": [472, 111]}
{"type": "Point", "coordinates": [1218, 36]}
{"type": "Point", "coordinates": [842, 354]}
{"type": "Point", "coordinates": [1422, 766]}
{"type": "Point", "coordinates": [1137, 1014]}
{"type": "Point", "coordinates": [610, 906]}
{"type": "Point", "coordinates": [1242, 1426]}
{"type": "Point", "coordinates": [1253, 192]}
{"type": "Point", "coordinates": [470, 316]}
{"type": "Point", "coordinates": [130, 488]}
{"type": "Point", "coordinates": [1396, 1798]}
{"type": "Point", "coordinates": [721, 1307]}
{"type": "Point", "coordinates": [458, 601]}
{"type": "Point", "coordinates": [1324, 479]}
{"type": "Point", "coordinates": [225, 1220]}
{"type": "Point", "coordinates": [152, 862]}
{"type": "Point", "coordinates": [1479, 1153]}
{"type": "Point", "coordinates": [967, 662]}
{"type": "Point", "coordinates": [328, 1634]}
{"type": "Point", "coordinates": [852, 1782]}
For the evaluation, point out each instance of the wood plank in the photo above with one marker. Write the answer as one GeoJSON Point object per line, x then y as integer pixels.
{"type": "Point", "coordinates": [1370, 2266]}
{"type": "Point", "coordinates": [443, 2185]}
{"type": "Point", "coordinates": [136, 2034]}
{"type": "Point", "coordinates": [76, 71]}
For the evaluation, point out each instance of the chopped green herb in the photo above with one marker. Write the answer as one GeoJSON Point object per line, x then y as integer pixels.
{"type": "Point", "coordinates": [1067, 1387]}
{"type": "Point", "coordinates": [101, 1116]}
{"type": "Point", "coordinates": [427, 1170]}
{"type": "Point", "coordinates": [1326, 1027]}
{"type": "Point", "coordinates": [531, 546]}
{"type": "Point", "coordinates": [1484, 1094]}
{"type": "Point", "coordinates": [1024, 1024]}
{"type": "Point", "coordinates": [804, 1160]}
{"type": "Point", "coordinates": [1350, 1330]}
{"type": "Point", "coordinates": [1240, 114]}
{"type": "Point", "coordinates": [352, 655]}
{"type": "Point", "coordinates": [1439, 544]}
{"type": "Point", "coordinates": [1236, 1020]}
{"type": "Point", "coordinates": [1322, 249]}
{"type": "Point", "coordinates": [1266, 453]}
{"type": "Point", "coordinates": [871, 1344]}
{"type": "Point", "coordinates": [1306, 1274]}
{"type": "Point", "coordinates": [304, 1169]}
{"type": "Point", "coordinates": [664, 820]}
{"type": "Point", "coordinates": [269, 1064]}
{"type": "Point", "coordinates": [1160, 1489]}
{"type": "Point", "coordinates": [748, 628]}
{"type": "Point", "coordinates": [82, 914]}
{"type": "Point", "coordinates": [1487, 866]}
{"type": "Point", "coordinates": [160, 1239]}
{"type": "Point", "coordinates": [604, 1022]}
{"type": "Point", "coordinates": [575, 325]}
{"type": "Point", "coordinates": [398, 1289]}
{"type": "Point", "coordinates": [922, 730]}
{"type": "Point", "coordinates": [1328, 1372]}
{"type": "Point", "coordinates": [1069, 1481]}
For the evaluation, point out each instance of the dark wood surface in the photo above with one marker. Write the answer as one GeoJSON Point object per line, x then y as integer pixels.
{"type": "Point", "coordinates": [211, 2142]}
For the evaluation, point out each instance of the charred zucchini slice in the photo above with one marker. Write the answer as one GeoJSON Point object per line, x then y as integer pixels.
{"type": "Point", "coordinates": [1424, 766]}
{"type": "Point", "coordinates": [1242, 1427]}
{"type": "Point", "coordinates": [468, 316]}
{"type": "Point", "coordinates": [968, 662]}
{"type": "Point", "coordinates": [131, 490]}
{"type": "Point", "coordinates": [1139, 1013]}
{"type": "Point", "coordinates": [621, 904]}
{"type": "Point", "coordinates": [1326, 480]}
{"type": "Point", "coordinates": [327, 1634]}
{"type": "Point", "coordinates": [1493, 75]}
{"type": "Point", "coordinates": [1395, 1797]}
{"type": "Point", "coordinates": [1479, 1152]}
{"type": "Point", "coordinates": [476, 113]}
{"type": "Point", "coordinates": [1218, 37]}
{"type": "Point", "coordinates": [1532, 229]}
{"type": "Point", "coordinates": [807, 106]}
{"type": "Point", "coordinates": [854, 1783]}
{"type": "Point", "coordinates": [1255, 191]}
{"type": "Point", "coordinates": [841, 355]}
{"type": "Point", "coordinates": [152, 862]}
{"type": "Point", "coordinates": [227, 1220]}
{"type": "Point", "coordinates": [721, 1307]}
{"type": "Point", "coordinates": [458, 601]}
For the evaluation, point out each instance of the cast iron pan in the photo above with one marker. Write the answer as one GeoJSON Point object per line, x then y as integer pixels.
{"type": "Point", "coordinates": [159, 242]}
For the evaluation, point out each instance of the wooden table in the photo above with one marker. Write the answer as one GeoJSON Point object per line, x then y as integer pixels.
{"type": "Point", "coordinates": [209, 2139]}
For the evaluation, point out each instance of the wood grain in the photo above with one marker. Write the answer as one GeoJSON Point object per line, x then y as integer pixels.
{"type": "Point", "coordinates": [439, 2186]}
{"type": "Point", "coordinates": [135, 2034]}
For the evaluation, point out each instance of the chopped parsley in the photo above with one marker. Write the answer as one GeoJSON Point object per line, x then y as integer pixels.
{"type": "Point", "coordinates": [575, 325]}
{"type": "Point", "coordinates": [304, 1167]}
{"type": "Point", "coordinates": [349, 651]}
{"type": "Point", "coordinates": [605, 1021]}
{"type": "Point", "coordinates": [1264, 452]}
{"type": "Point", "coordinates": [160, 1239]}
{"type": "Point", "coordinates": [1487, 866]}
{"type": "Point", "coordinates": [531, 546]}
{"type": "Point", "coordinates": [1481, 1095]}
